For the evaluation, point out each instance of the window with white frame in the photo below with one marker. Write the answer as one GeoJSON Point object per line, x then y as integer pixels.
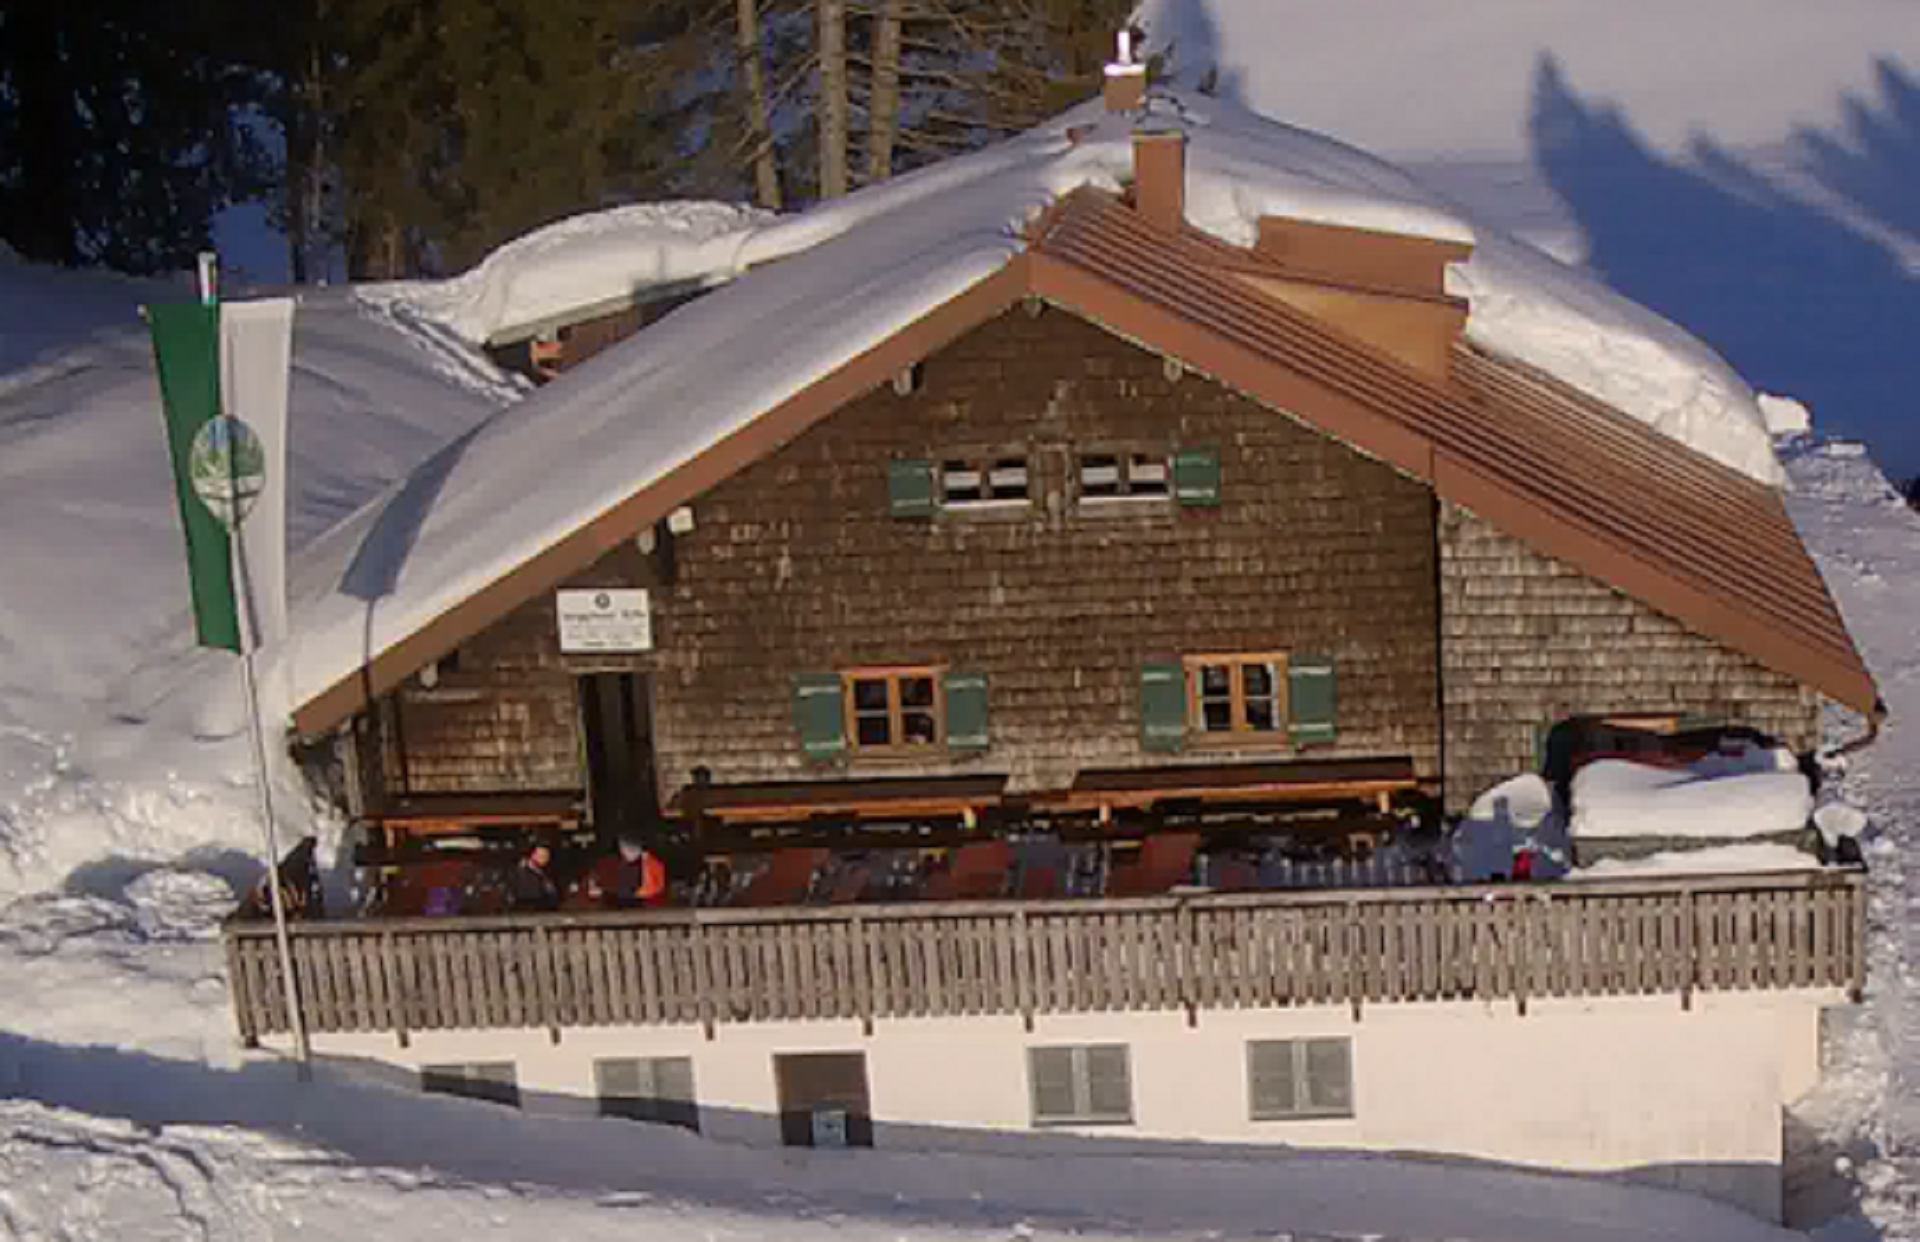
{"type": "Point", "coordinates": [1296, 1079]}
{"type": "Point", "coordinates": [493, 1081]}
{"type": "Point", "coordinates": [1083, 1084]}
{"type": "Point", "coordinates": [986, 481]}
{"type": "Point", "coordinates": [1119, 474]}
{"type": "Point", "coordinates": [656, 1089]}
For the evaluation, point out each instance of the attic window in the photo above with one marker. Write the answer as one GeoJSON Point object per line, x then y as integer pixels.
{"type": "Point", "coordinates": [961, 484]}
{"type": "Point", "coordinates": [983, 482]}
{"type": "Point", "coordinates": [1114, 475]}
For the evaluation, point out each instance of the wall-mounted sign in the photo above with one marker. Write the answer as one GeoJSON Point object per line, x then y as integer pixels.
{"type": "Point", "coordinates": [601, 620]}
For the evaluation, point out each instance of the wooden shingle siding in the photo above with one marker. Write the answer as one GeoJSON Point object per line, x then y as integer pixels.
{"type": "Point", "coordinates": [1528, 640]}
{"type": "Point", "coordinates": [797, 565]}
{"type": "Point", "coordinates": [506, 719]}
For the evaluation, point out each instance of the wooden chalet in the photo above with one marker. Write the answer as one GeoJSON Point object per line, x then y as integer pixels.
{"type": "Point", "coordinates": [1144, 522]}
{"type": "Point", "coordinates": [1140, 543]}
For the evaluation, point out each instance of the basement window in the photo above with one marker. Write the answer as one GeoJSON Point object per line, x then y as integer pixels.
{"type": "Point", "coordinates": [655, 1089]}
{"type": "Point", "coordinates": [494, 1081]}
{"type": "Point", "coordinates": [1084, 1084]}
{"type": "Point", "coordinates": [1298, 1079]}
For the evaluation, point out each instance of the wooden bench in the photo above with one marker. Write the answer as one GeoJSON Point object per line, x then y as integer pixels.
{"type": "Point", "coordinates": [906, 798]}
{"type": "Point", "coordinates": [1105, 791]}
{"type": "Point", "coordinates": [432, 815]}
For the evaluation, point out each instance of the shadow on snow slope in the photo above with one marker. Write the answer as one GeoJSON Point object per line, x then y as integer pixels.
{"type": "Point", "coordinates": [1801, 303]}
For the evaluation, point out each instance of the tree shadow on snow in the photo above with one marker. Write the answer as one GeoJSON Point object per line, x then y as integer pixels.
{"type": "Point", "coordinates": [109, 878]}
{"type": "Point", "coordinates": [1800, 303]}
{"type": "Point", "coordinates": [1187, 32]}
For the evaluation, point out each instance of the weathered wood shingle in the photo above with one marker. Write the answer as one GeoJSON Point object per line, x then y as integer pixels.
{"type": "Point", "coordinates": [1528, 640]}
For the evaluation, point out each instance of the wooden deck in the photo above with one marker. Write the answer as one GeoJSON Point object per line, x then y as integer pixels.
{"type": "Point", "coordinates": [1667, 937]}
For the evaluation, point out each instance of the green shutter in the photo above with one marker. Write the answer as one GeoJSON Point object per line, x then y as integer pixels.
{"type": "Point", "coordinates": [1312, 701]}
{"type": "Point", "coordinates": [910, 489]}
{"type": "Point", "coordinates": [1196, 476]}
{"type": "Point", "coordinates": [966, 711]}
{"type": "Point", "coordinates": [1163, 707]}
{"type": "Point", "coordinates": [818, 716]}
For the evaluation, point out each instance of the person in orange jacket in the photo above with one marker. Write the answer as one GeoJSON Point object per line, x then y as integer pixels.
{"type": "Point", "coordinates": [630, 876]}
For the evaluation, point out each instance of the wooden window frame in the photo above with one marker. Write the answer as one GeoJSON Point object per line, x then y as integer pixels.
{"type": "Point", "coordinates": [984, 464]}
{"type": "Point", "coordinates": [893, 675]}
{"type": "Point", "coordinates": [1127, 459]}
{"type": "Point", "coordinates": [1305, 1108]}
{"type": "Point", "coordinates": [1239, 734]}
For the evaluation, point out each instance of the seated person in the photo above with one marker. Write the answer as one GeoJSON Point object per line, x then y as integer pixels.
{"type": "Point", "coordinates": [532, 886]}
{"type": "Point", "coordinates": [300, 891]}
{"type": "Point", "coordinates": [630, 876]}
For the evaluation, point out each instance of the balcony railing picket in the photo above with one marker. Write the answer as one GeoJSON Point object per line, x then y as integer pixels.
{"type": "Point", "coordinates": [876, 963]}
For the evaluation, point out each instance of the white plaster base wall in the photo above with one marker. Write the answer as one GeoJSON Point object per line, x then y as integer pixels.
{"type": "Point", "coordinates": [1630, 1085]}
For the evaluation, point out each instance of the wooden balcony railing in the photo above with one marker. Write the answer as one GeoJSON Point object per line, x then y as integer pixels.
{"type": "Point", "coordinates": [1799, 930]}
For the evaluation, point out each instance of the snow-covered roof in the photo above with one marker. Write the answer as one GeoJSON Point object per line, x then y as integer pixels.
{"type": "Point", "coordinates": [584, 265]}
{"type": "Point", "coordinates": [854, 273]}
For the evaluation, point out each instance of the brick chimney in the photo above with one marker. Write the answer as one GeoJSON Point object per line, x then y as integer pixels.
{"type": "Point", "coordinates": [1126, 85]}
{"type": "Point", "coordinates": [1160, 177]}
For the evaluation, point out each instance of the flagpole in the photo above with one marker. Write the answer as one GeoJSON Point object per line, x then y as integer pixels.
{"type": "Point", "coordinates": [302, 1048]}
{"type": "Point", "coordinates": [249, 639]}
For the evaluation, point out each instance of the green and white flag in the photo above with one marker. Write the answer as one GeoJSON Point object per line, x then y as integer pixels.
{"type": "Point", "coordinates": [223, 378]}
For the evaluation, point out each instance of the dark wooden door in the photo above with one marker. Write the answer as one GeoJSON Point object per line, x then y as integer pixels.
{"type": "Point", "coordinates": [619, 743]}
{"type": "Point", "coordinates": [825, 1094]}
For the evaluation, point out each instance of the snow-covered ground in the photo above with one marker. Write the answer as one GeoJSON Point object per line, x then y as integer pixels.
{"type": "Point", "coordinates": [1749, 172]}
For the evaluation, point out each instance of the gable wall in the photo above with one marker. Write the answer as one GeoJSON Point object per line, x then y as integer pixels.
{"type": "Point", "coordinates": [1529, 640]}
{"type": "Point", "coordinates": [796, 566]}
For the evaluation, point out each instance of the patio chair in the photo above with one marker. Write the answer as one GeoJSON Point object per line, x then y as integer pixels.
{"type": "Point", "coordinates": [977, 870]}
{"type": "Point", "coordinates": [785, 880]}
{"type": "Point", "coordinates": [1166, 859]}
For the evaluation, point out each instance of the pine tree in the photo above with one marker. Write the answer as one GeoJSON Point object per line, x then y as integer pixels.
{"type": "Point", "coordinates": [831, 19]}
{"type": "Point", "coordinates": [122, 131]}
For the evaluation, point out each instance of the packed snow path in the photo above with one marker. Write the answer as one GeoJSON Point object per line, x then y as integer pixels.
{"type": "Point", "coordinates": [1866, 541]}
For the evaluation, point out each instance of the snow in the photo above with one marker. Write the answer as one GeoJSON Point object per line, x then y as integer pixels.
{"type": "Point", "coordinates": [1755, 793]}
{"type": "Point", "coordinates": [109, 720]}
{"type": "Point", "coordinates": [1516, 816]}
{"type": "Point", "coordinates": [590, 260]}
{"type": "Point", "coordinates": [1756, 856]}
{"type": "Point", "coordinates": [127, 811]}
